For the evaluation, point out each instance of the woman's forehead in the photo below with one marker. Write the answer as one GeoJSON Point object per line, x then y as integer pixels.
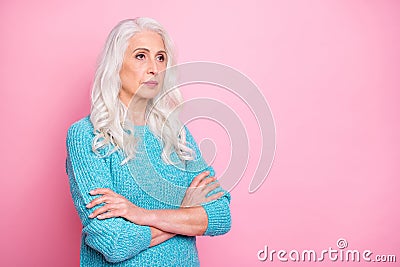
{"type": "Point", "coordinates": [147, 39]}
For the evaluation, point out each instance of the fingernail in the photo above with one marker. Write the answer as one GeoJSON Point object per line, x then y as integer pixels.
{"type": "Point", "coordinates": [91, 215]}
{"type": "Point", "coordinates": [91, 192]}
{"type": "Point", "coordinates": [100, 217]}
{"type": "Point", "coordinates": [88, 205]}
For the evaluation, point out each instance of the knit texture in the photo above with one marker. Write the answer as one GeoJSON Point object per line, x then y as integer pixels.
{"type": "Point", "coordinates": [147, 182]}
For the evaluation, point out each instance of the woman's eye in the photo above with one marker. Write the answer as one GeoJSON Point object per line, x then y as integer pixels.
{"type": "Point", "coordinates": [160, 58]}
{"type": "Point", "coordinates": [139, 56]}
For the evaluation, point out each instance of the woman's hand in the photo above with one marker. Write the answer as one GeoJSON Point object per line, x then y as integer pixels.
{"type": "Point", "coordinates": [115, 206]}
{"type": "Point", "coordinates": [196, 194]}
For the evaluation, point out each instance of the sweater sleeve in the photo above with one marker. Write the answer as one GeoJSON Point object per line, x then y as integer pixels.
{"type": "Point", "coordinates": [116, 238]}
{"type": "Point", "coordinates": [218, 211]}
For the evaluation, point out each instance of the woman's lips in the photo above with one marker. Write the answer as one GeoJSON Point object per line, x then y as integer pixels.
{"type": "Point", "coordinates": [151, 83]}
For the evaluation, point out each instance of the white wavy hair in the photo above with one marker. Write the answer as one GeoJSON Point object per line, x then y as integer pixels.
{"type": "Point", "coordinates": [108, 114]}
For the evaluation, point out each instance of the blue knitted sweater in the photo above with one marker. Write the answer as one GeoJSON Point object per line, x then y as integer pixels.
{"type": "Point", "coordinates": [147, 182]}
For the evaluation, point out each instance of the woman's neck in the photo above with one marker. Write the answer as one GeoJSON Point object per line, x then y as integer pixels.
{"type": "Point", "coordinates": [137, 110]}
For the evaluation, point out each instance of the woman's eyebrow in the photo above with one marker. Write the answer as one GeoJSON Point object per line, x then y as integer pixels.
{"type": "Point", "coordinates": [146, 49]}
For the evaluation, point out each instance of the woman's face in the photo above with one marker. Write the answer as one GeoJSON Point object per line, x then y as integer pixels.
{"type": "Point", "coordinates": [143, 59]}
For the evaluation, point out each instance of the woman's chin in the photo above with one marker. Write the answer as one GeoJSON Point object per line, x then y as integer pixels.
{"type": "Point", "coordinates": [147, 92]}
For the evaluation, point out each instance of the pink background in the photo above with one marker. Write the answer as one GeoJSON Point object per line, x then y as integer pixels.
{"type": "Point", "coordinates": [330, 73]}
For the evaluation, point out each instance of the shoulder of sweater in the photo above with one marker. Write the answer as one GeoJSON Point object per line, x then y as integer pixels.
{"type": "Point", "coordinates": [187, 132]}
{"type": "Point", "coordinates": [81, 129]}
{"type": "Point", "coordinates": [189, 137]}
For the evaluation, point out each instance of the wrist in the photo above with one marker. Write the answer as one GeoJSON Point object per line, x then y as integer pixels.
{"type": "Point", "coordinates": [148, 217]}
{"type": "Point", "coordinates": [138, 215]}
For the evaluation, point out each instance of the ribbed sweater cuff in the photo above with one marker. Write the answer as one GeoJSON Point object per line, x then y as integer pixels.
{"type": "Point", "coordinates": [219, 218]}
{"type": "Point", "coordinates": [118, 241]}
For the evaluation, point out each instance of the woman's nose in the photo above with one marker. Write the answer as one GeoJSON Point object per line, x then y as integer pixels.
{"type": "Point", "coordinates": [152, 67]}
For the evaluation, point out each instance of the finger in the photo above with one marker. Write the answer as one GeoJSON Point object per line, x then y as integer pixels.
{"type": "Point", "coordinates": [115, 210]}
{"type": "Point", "coordinates": [106, 215]}
{"type": "Point", "coordinates": [214, 196]}
{"type": "Point", "coordinates": [206, 181]}
{"type": "Point", "coordinates": [211, 187]}
{"type": "Point", "coordinates": [101, 191]}
{"type": "Point", "coordinates": [102, 210]}
{"type": "Point", "coordinates": [97, 201]}
{"type": "Point", "coordinates": [198, 179]}
{"type": "Point", "coordinates": [109, 214]}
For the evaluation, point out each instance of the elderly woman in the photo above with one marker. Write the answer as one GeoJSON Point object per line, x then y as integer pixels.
{"type": "Point", "coordinates": [138, 181]}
